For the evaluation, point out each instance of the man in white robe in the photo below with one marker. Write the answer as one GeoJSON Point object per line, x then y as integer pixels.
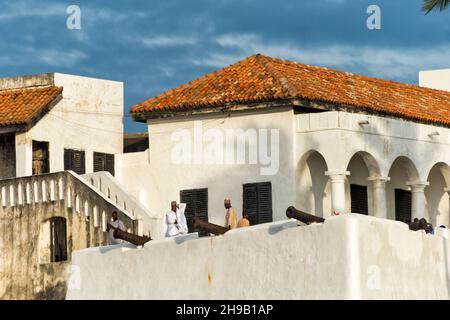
{"type": "Point", "coordinates": [176, 223]}
{"type": "Point", "coordinates": [115, 223]}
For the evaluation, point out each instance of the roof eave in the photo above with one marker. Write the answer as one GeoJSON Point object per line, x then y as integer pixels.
{"type": "Point", "coordinates": [211, 109]}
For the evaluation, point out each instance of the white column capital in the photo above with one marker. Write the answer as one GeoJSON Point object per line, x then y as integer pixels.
{"type": "Point", "coordinates": [379, 182]}
{"type": "Point", "coordinates": [418, 186]}
{"type": "Point", "coordinates": [385, 179]}
{"type": "Point", "coordinates": [337, 174]}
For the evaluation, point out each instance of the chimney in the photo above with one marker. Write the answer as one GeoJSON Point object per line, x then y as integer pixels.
{"type": "Point", "coordinates": [435, 79]}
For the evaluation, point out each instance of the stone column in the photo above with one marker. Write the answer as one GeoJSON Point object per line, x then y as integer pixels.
{"type": "Point", "coordinates": [379, 196]}
{"type": "Point", "coordinates": [337, 180]}
{"type": "Point", "coordinates": [448, 191]}
{"type": "Point", "coordinates": [419, 209]}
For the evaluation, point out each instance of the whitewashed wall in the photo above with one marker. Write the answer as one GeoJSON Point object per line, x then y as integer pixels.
{"type": "Point", "coordinates": [347, 257]}
{"type": "Point", "coordinates": [89, 118]}
{"type": "Point", "coordinates": [158, 181]}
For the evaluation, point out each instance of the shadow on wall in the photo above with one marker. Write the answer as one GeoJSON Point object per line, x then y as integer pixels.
{"type": "Point", "coordinates": [55, 292]}
{"type": "Point", "coordinates": [311, 179]}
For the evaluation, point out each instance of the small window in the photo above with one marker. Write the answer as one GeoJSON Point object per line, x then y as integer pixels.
{"type": "Point", "coordinates": [257, 202]}
{"type": "Point", "coordinates": [196, 206]}
{"type": "Point", "coordinates": [358, 195]}
{"type": "Point", "coordinates": [403, 204]}
{"type": "Point", "coordinates": [104, 162]}
{"type": "Point", "coordinates": [75, 160]}
{"type": "Point", "coordinates": [40, 157]}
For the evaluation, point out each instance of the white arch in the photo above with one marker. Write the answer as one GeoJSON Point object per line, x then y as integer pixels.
{"type": "Point", "coordinates": [408, 165]}
{"type": "Point", "coordinates": [371, 163]}
{"type": "Point", "coordinates": [312, 187]}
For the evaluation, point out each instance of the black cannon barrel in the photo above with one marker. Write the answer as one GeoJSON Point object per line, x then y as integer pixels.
{"type": "Point", "coordinates": [129, 237]}
{"type": "Point", "coordinates": [201, 225]}
{"type": "Point", "coordinates": [304, 217]}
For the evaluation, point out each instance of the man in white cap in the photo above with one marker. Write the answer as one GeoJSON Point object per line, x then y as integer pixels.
{"type": "Point", "coordinates": [231, 216]}
{"type": "Point", "coordinates": [176, 220]}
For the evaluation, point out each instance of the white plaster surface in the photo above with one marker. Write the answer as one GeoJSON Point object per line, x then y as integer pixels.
{"type": "Point", "coordinates": [348, 257]}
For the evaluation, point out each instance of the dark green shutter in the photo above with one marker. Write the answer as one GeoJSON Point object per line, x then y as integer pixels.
{"type": "Point", "coordinates": [359, 200]}
{"type": "Point", "coordinates": [104, 162]}
{"type": "Point", "coordinates": [257, 202]}
{"type": "Point", "coordinates": [75, 160]}
{"type": "Point", "coordinates": [196, 206]}
{"type": "Point", "coordinates": [403, 204]}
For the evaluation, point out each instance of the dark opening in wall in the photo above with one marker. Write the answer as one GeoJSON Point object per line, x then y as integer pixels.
{"type": "Point", "coordinates": [7, 156]}
{"type": "Point", "coordinates": [403, 205]}
{"type": "Point", "coordinates": [358, 195]}
{"type": "Point", "coordinates": [41, 157]}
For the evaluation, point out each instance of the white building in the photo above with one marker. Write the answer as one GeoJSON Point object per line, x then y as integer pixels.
{"type": "Point", "coordinates": [44, 118]}
{"type": "Point", "coordinates": [336, 142]}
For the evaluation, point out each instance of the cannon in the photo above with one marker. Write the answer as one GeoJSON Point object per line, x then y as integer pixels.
{"type": "Point", "coordinates": [304, 217]}
{"type": "Point", "coordinates": [207, 227]}
{"type": "Point", "coordinates": [129, 237]}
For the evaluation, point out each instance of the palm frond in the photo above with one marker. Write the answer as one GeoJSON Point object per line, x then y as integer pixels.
{"type": "Point", "coordinates": [429, 5]}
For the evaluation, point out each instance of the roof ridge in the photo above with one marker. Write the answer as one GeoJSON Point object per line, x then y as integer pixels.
{"type": "Point", "coordinates": [278, 76]}
{"type": "Point", "coordinates": [366, 77]}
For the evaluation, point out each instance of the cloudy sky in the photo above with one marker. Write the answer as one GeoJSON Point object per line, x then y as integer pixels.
{"type": "Point", "coordinates": [154, 45]}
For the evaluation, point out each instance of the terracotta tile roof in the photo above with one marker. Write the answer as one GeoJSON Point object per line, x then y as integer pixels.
{"type": "Point", "coordinates": [24, 106]}
{"type": "Point", "coordinates": [260, 78]}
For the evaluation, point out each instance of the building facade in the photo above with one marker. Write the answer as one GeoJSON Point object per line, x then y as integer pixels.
{"type": "Point", "coordinates": [325, 141]}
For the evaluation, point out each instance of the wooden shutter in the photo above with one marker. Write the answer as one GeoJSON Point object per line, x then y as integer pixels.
{"type": "Point", "coordinates": [196, 206]}
{"type": "Point", "coordinates": [403, 204]}
{"type": "Point", "coordinates": [58, 240]}
{"type": "Point", "coordinates": [75, 160]}
{"type": "Point", "coordinates": [109, 163]}
{"type": "Point", "coordinates": [250, 202]}
{"type": "Point", "coordinates": [257, 202]}
{"type": "Point", "coordinates": [264, 202]}
{"type": "Point", "coordinates": [104, 162]}
{"type": "Point", "coordinates": [359, 200]}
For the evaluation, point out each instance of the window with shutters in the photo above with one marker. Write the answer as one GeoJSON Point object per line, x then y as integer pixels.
{"type": "Point", "coordinates": [196, 206]}
{"type": "Point", "coordinates": [104, 162]}
{"type": "Point", "coordinates": [358, 195]}
{"type": "Point", "coordinates": [40, 159]}
{"type": "Point", "coordinates": [403, 203]}
{"type": "Point", "coordinates": [75, 160]}
{"type": "Point", "coordinates": [257, 202]}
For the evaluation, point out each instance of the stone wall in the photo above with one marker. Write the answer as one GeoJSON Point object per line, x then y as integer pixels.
{"type": "Point", "coordinates": [25, 205]}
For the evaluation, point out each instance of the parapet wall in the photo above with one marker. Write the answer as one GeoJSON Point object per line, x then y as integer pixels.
{"type": "Point", "coordinates": [347, 257]}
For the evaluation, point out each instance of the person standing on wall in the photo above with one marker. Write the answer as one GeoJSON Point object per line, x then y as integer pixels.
{"type": "Point", "coordinates": [116, 223]}
{"type": "Point", "coordinates": [230, 217]}
{"type": "Point", "coordinates": [176, 223]}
